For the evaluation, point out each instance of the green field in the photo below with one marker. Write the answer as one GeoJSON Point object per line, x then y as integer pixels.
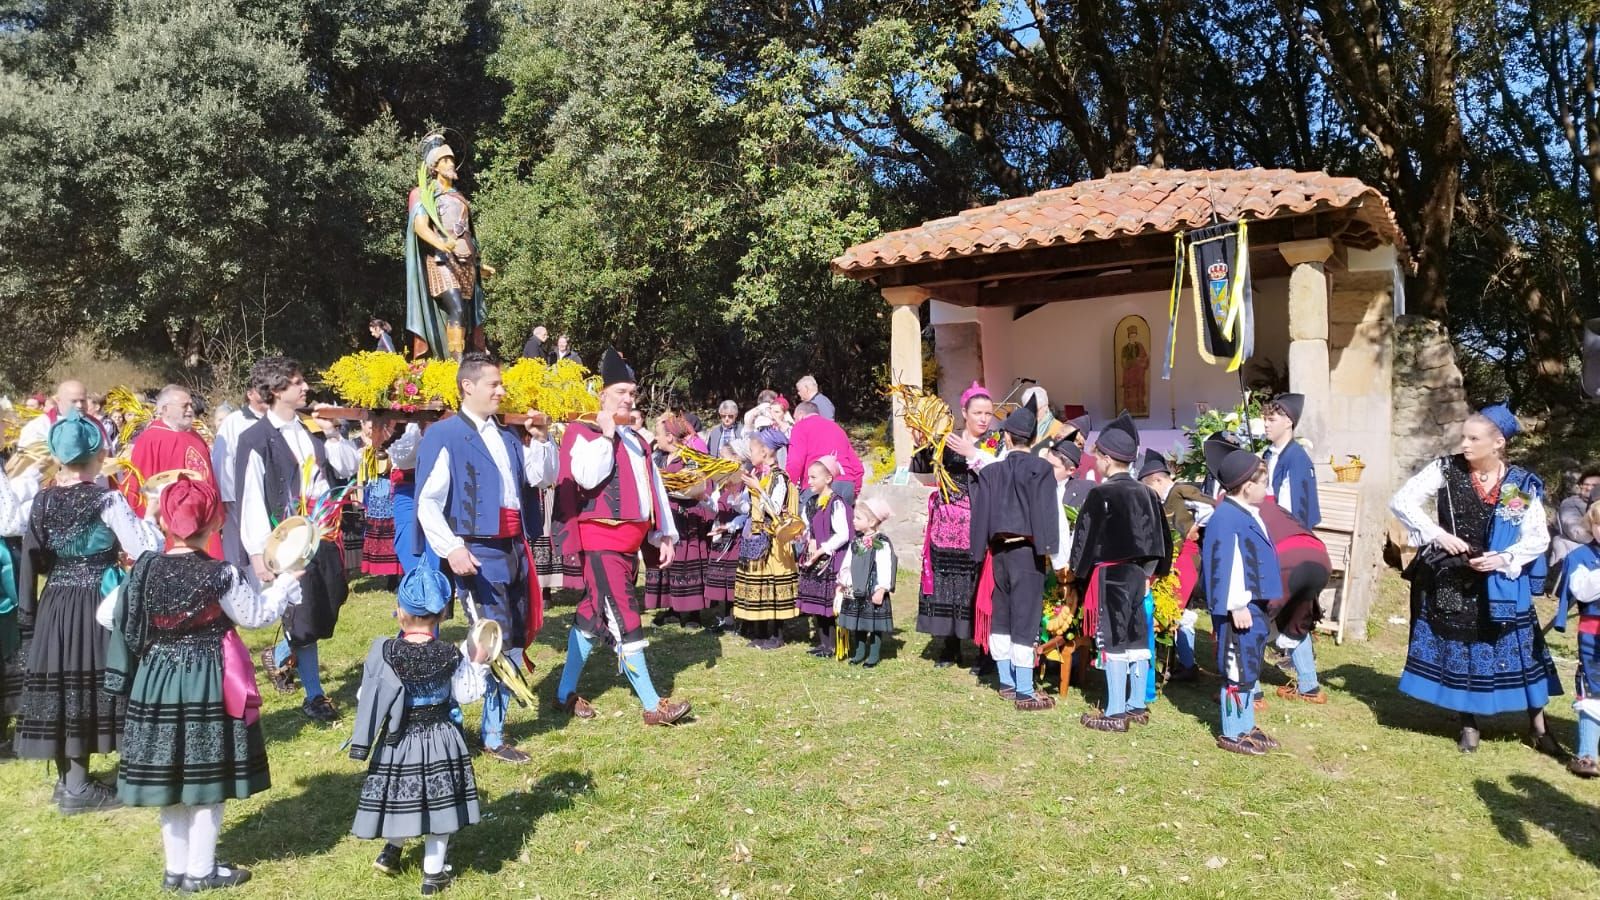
{"type": "Point", "coordinates": [803, 778]}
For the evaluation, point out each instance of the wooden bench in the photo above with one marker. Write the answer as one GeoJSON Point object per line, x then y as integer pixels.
{"type": "Point", "coordinates": [1341, 510]}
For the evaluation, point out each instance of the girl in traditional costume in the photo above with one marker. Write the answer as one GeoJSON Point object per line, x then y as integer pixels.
{"type": "Point", "coordinates": [866, 580]}
{"type": "Point", "coordinates": [679, 590]}
{"type": "Point", "coordinates": [192, 738]}
{"type": "Point", "coordinates": [730, 510]}
{"type": "Point", "coordinates": [945, 605]}
{"type": "Point", "coordinates": [1476, 647]}
{"type": "Point", "coordinates": [827, 518]}
{"type": "Point", "coordinates": [76, 532]}
{"type": "Point", "coordinates": [419, 774]}
{"type": "Point", "coordinates": [766, 585]}
{"type": "Point", "coordinates": [12, 646]}
{"type": "Point", "coordinates": [378, 509]}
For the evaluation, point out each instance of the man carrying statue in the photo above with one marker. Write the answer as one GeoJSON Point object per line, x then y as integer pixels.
{"type": "Point", "coordinates": [444, 275]}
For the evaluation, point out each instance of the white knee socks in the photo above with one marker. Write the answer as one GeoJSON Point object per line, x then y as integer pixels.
{"type": "Point", "coordinates": [434, 847]}
{"type": "Point", "coordinates": [175, 837]}
{"type": "Point", "coordinates": [205, 826]}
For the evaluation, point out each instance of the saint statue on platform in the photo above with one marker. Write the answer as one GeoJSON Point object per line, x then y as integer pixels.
{"type": "Point", "coordinates": [444, 275]}
{"type": "Point", "coordinates": [1133, 367]}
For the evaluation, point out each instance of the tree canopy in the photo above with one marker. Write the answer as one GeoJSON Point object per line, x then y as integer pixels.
{"type": "Point", "coordinates": [203, 178]}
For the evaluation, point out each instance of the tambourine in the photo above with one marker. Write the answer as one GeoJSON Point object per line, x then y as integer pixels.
{"type": "Point", "coordinates": [292, 545]}
{"type": "Point", "coordinates": [485, 636]}
{"type": "Point", "coordinates": [154, 485]}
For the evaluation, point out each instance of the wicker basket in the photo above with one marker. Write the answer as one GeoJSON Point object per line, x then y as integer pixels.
{"type": "Point", "coordinates": [1350, 472]}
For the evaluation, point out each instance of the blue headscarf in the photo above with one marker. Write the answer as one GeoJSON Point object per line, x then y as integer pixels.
{"type": "Point", "coordinates": [1503, 419]}
{"type": "Point", "coordinates": [423, 592]}
{"type": "Point", "coordinates": [773, 438]}
{"type": "Point", "coordinates": [74, 439]}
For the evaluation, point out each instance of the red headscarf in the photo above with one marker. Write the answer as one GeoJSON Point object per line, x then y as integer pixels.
{"type": "Point", "coordinates": [189, 507]}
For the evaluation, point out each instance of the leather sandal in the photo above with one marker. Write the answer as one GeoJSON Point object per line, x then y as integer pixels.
{"type": "Point", "coordinates": [1137, 716]}
{"type": "Point", "coordinates": [1584, 766]}
{"type": "Point", "coordinates": [576, 706]}
{"type": "Point", "coordinates": [667, 712]}
{"type": "Point", "coordinates": [1008, 694]}
{"type": "Point", "coordinates": [1242, 745]}
{"type": "Point", "coordinates": [1099, 721]}
{"type": "Point", "coordinates": [1035, 703]}
{"type": "Point", "coordinates": [1292, 692]}
{"type": "Point", "coordinates": [1267, 741]}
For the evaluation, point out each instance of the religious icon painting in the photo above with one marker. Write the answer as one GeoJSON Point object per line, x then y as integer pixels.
{"type": "Point", "coordinates": [1131, 359]}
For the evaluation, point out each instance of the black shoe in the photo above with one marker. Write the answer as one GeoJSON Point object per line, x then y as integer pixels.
{"type": "Point", "coordinates": [820, 652]}
{"type": "Point", "coordinates": [388, 861]}
{"type": "Point", "coordinates": [661, 619]}
{"type": "Point", "coordinates": [320, 709]}
{"type": "Point", "coordinates": [220, 877]}
{"type": "Point", "coordinates": [692, 624]}
{"type": "Point", "coordinates": [95, 797]}
{"type": "Point", "coordinates": [436, 884]}
{"type": "Point", "coordinates": [171, 881]}
{"type": "Point", "coordinates": [944, 664]}
{"type": "Point", "coordinates": [1468, 742]}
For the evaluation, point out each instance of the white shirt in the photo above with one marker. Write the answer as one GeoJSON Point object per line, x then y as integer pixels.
{"type": "Point", "coordinates": [882, 566]}
{"type": "Point", "coordinates": [1408, 505]}
{"type": "Point", "coordinates": [538, 469]}
{"type": "Point", "coordinates": [403, 452]}
{"type": "Point", "coordinates": [255, 520]}
{"type": "Point", "coordinates": [11, 520]}
{"type": "Point", "coordinates": [37, 431]}
{"type": "Point", "coordinates": [1239, 595]}
{"type": "Point", "coordinates": [1059, 560]}
{"type": "Point", "coordinates": [1273, 454]}
{"type": "Point", "coordinates": [593, 460]}
{"type": "Point", "coordinates": [1584, 584]}
{"type": "Point", "coordinates": [223, 448]}
{"type": "Point", "coordinates": [840, 526]}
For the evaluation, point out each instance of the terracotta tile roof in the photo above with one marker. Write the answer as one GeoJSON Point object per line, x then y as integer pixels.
{"type": "Point", "coordinates": [1142, 201]}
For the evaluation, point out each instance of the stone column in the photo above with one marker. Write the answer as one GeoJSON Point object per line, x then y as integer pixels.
{"type": "Point", "coordinates": [1308, 335]}
{"type": "Point", "coordinates": [905, 356]}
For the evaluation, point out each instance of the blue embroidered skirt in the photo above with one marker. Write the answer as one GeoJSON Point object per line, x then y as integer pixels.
{"type": "Point", "coordinates": [1506, 672]}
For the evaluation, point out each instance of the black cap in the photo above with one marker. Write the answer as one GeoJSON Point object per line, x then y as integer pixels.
{"type": "Point", "coordinates": [1021, 423]}
{"type": "Point", "coordinates": [1119, 439]}
{"type": "Point", "coordinates": [614, 369]}
{"type": "Point", "coordinates": [1154, 464]}
{"type": "Point", "coordinates": [1293, 405]}
{"type": "Point", "coordinates": [1066, 449]}
{"type": "Point", "coordinates": [1231, 465]}
{"type": "Point", "coordinates": [1079, 425]}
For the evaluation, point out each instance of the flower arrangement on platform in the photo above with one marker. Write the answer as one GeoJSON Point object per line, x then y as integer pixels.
{"type": "Point", "coordinates": [1234, 421]}
{"type": "Point", "coordinates": [377, 380]}
{"type": "Point", "coordinates": [369, 379]}
{"type": "Point", "coordinates": [562, 391]}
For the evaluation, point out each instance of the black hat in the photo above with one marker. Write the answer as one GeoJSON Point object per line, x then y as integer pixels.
{"type": "Point", "coordinates": [1291, 404]}
{"type": "Point", "coordinates": [1079, 425]}
{"type": "Point", "coordinates": [614, 369]}
{"type": "Point", "coordinates": [1154, 463]}
{"type": "Point", "coordinates": [1021, 423]}
{"type": "Point", "coordinates": [1064, 448]}
{"type": "Point", "coordinates": [1119, 439]}
{"type": "Point", "coordinates": [1231, 465]}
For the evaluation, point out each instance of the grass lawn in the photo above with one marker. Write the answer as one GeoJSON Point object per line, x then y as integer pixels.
{"type": "Point", "coordinates": [803, 778]}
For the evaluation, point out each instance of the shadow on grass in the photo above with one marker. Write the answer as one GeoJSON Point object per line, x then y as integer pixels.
{"type": "Point", "coordinates": [510, 818]}
{"type": "Point", "coordinates": [1534, 801]}
{"type": "Point", "coordinates": [305, 818]}
{"type": "Point", "coordinates": [286, 723]}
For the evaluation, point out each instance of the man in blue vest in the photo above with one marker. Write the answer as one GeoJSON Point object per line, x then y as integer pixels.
{"type": "Point", "coordinates": [478, 508]}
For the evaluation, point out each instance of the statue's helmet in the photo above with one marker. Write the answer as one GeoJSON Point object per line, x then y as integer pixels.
{"type": "Point", "coordinates": [441, 143]}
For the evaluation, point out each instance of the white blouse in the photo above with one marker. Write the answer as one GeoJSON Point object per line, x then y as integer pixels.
{"type": "Point", "coordinates": [11, 520]}
{"type": "Point", "coordinates": [1410, 507]}
{"type": "Point", "coordinates": [882, 566]}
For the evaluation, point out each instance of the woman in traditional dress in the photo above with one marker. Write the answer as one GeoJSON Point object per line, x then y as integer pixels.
{"type": "Point", "coordinates": [949, 576]}
{"type": "Point", "coordinates": [766, 585]}
{"type": "Point", "coordinates": [193, 738]}
{"type": "Point", "coordinates": [679, 590]}
{"type": "Point", "coordinates": [730, 510]}
{"type": "Point", "coordinates": [377, 506]}
{"type": "Point", "coordinates": [1476, 647]}
{"type": "Point", "coordinates": [12, 645]}
{"type": "Point", "coordinates": [74, 534]}
{"type": "Point", "coordinates": [827, 518]}
{"type": "Point", "coordinates": [419, 780]}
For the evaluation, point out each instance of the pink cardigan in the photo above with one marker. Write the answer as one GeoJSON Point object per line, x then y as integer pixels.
{"type": "Point", "coordinates": [814, 437]}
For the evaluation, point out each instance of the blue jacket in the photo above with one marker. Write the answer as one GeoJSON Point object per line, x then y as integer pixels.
{"type": "Point", "coordinates": [1231, 524]}
{"type": "Point", "coordinates": [473, 506]}
{"type": "Point", "coordinates": [1294, 468]}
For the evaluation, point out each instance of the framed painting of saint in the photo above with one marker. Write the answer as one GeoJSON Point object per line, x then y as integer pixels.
{"type": "Point", "coordinates": [1130, 354]}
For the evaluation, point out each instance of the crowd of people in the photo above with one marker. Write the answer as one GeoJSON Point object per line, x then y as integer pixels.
{"type": "Point", "coordinates": [130, 646]}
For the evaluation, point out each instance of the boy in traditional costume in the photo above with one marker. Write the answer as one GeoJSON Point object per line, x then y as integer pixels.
{"type": "Point", "coordinates": [1581, 589]}
{"type": "Point", "coordinates": [478, 508]}
{"type": "Point", "coordinates": [1242, 578]}
{"type": "Point", "coordinates": [192, 739]}
{"type": "Point", "coordinates": [1014, 521]}
{"type": "Point", "coordinates": [277, 468]}
{"type": "Point", "coordinates": [612, 500]}
{"type": "Point", "coordinates": [1121, 542]}
{"type": "Point", "coordinates": [1187, 508]}
{"type": "Point", "coordinates": [1291, 477]}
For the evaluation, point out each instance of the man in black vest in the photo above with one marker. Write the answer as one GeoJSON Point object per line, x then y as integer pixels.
{"type": "Point", "coordinates": [268, 467]}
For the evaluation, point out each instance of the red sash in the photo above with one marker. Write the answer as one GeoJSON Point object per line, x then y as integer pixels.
{"type": "Point", "coordinates": [983, 604]}
{"type": "Point", "coordinates": [511, 528]}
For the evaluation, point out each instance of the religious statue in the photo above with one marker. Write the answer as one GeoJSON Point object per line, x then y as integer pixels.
{"type": "Point", "coordinates": [444, 275]}
{"type": "Point", "coordinates": [1133, 367]}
